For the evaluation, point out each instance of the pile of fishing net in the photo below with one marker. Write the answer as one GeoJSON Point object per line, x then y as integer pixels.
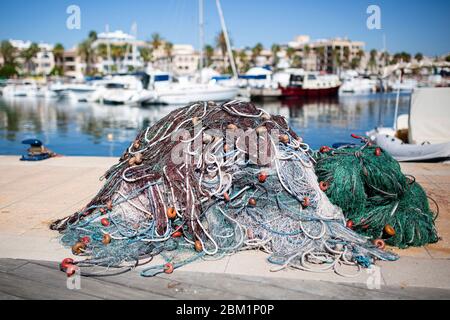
{"type": "Point", "coordinates": [207, 181]}
{"type": "Point", "coordinates": [378, 200]}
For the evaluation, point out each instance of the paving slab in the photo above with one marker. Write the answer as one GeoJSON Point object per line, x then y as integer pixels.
{"type": "Point", "coordinates": [32, 194]}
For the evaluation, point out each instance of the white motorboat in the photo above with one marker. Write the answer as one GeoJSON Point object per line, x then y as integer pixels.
{"type": "Point", "coordinates": [424, 133]}
{"type": "Point", "coordinates": [21, 88]}
{"type": "Point", "coordinates": [76, 92]}
{"type": "Point", "coordinates": [122, 89]}
{"type": "Point", "coordinates": [404, 85]}
{"type": "Point", "coordinates": [166, 91]}
{"type": "Point", "coordinates": [354, 84]}
{"type": "Point", "coordinates": [178, 93]}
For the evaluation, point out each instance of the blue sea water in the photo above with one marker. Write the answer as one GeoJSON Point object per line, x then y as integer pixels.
{"type": "Point", "coordinates": [85, 129]}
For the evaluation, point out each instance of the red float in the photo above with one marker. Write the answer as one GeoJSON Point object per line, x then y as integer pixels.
{"type": "Point", "coordinates": [105, 222]}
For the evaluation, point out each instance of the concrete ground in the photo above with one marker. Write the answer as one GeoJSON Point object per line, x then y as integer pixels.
{"type": "Point", "coordinates": [32, 194]}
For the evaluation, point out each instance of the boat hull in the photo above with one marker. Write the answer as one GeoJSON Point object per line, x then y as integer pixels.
{"type": "Point", "coordinates": [188, 96]}
{"type": "Point", "coordinates": [291, 91]}
{"type": "Point", "coordinates": [401, 151]}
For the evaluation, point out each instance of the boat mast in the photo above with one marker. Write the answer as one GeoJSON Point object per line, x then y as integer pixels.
{"type": "Point", "coordinates": [227, 39]}
{"type": "Point", "coordinates": [108, 48]}
{"type": "Point", "coordinates": [134, 31]}
{"type": "Point", "coordinates": [201, 33]}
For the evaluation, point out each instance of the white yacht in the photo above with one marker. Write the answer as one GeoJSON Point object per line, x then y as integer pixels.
{"type": "Point", "coordinates": [76, 92]}
{"type": "Point", "coordinates": [20, 88]}
{"type": "Point", "coordinates": [121, 89]}
{"type": "Point", "coordinates": [355, 84]}
{"type": "Point", "coordinates": [404, 85]}
{"type": "Point", "coordinates": [166, 91]}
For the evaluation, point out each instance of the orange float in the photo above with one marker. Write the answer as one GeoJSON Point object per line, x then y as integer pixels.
{"type": "Point", "coordinates": [389, 230]}
{"type": "Point", "coordinates": [171, 213]}
{"type": "Point", "coordinates": [284, 138]}
{"type": "Point", "coordinates": [78, 248]}
{"type": "Point", "coordinates": [106, 239]}
{"type": "Point", "coordinates": [198, 246]}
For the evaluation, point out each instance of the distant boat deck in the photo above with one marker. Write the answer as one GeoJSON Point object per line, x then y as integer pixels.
{"type": "Point", "coordinates": [33, 194]}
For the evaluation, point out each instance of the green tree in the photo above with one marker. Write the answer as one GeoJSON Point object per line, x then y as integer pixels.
{"type": "Point", "coordinates": [418, 56]}
{"type": "Point", "coordinates": [28, 55]}
{"type": "Point", "coordinates": [221, 43]}
{"type": "Point", "coordinates": [168, 48]}
{"type": "Point", "coordinates": [256, 51]}
{"type": "Point", "coordinates": [320, 52]}
{"type": "Point", "coordinates": [372, 60]}
{"type": "Point", "coordinates": [9, 55]}
{"type": "Point", "coordinates": [209, 53]}
{"type": "Point", "coordinates": [87, 55]}
{"type": "Point", "coordinates": [275, 49]}
{"type": "Point", "coordinates": [385, 56]}
{"type": "Point", "coordinates": [346, 56]}
{"type": "Point", "coordinates": [146, 54]}
{"type": "Point", "coordinates": [156, 41]}
{"type": "Point", "coordinates": [244, 63]}
{"type": "Point", "coordinates": [8, 52]}
{"type": "Point", "coordinates": [336, 56]}
{"type": "Point", "coordinates": [58, 54]}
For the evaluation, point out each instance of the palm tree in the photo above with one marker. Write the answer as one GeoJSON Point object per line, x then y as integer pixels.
{"type": "Point", "coordinates": [102, 50]}
{"type": "Point", "coordinates": [58, 55]}
{"type": "Point", "coordinates": [275, 49]}
{"type": "Point", "coordinates": [418, 56]}
{"type": "Point", "coordinates": [372, 60]}
{"type": "Point", "coordinates": [156, 41]}
{"type": "Point", "coordinates": [290, 52]}
{"type": "Point", "coordinates": [209, 53]}
{"type": "Point", "coordinates": [221, 43]}
{"type": "Point", "coordinates": [117, 53]}
{"type": "Point", "coordinates": [87, 54]}
{"type": "Point", "coordinates": [346, 56]}
{"type": "Point", "coordinates": [385, 58]}
{"type": "Point", "coordinates": [92, 36]}
{"type": "Point", "coordinates": [28, 55]}
{"type": "Point", "coordinates": [336, 56]}
{"type": "Point", "coordinates": [168, 47]}
{"type": "Point", "coordinates": [146, 54]}
{"type": "Point", "coordinates": [256, 51]}
{"type": "Point", "coordinates": [320, 51]}
{"type": "Point", "coordinates": [243, 61]}
{"type": "Point", "coordinates": [8, 52]}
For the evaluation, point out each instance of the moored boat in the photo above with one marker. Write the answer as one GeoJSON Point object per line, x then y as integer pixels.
{"type": "Point", "coordinates": [311, 85]}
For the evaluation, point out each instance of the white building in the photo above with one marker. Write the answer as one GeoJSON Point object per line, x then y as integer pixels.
{"type": "Point", "coordinates": [131, 59]}
{"type": "Point", "coordinates": [43, 63]}
{"type": "Point", "coordinates": [182, 60]}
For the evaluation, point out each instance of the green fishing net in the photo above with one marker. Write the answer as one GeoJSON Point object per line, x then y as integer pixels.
{"type": "Point", "coordinates": [377, 199]}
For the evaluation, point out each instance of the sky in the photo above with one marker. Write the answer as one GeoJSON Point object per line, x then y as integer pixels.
{"type": "Point", "coordinates": [408, 25]}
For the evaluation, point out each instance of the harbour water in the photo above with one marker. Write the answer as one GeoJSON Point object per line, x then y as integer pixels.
{"type": "Point", "coordinates": [85, 129]}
